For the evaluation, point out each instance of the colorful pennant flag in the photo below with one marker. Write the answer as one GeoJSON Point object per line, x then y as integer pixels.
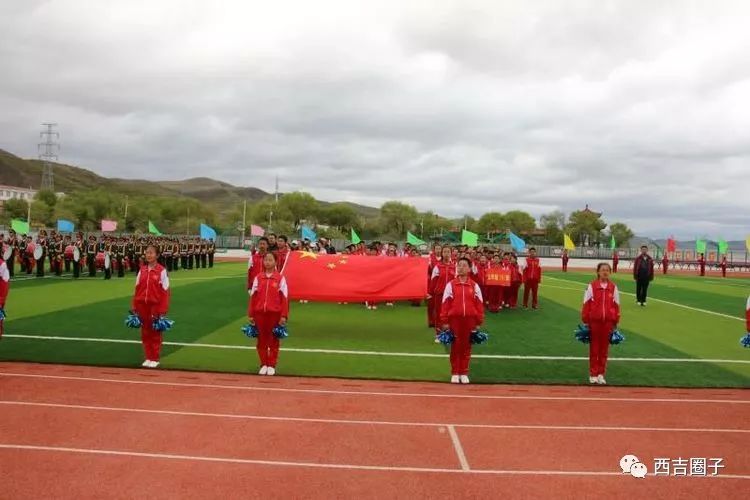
{"type": "Point", "coordinates": [308, 234]}
{"type": "Point", "coordinates": [700, 246]}
{"type": "Point", "coordinates": [207, 232]}
{"type": "Point", "coordinates": [109, 225]}
{"type": "Point", "coordinates": [723, 246]}
{"type": "Point", "coordinates": [355, 238]}
{"type": "Point", "coordinates": [20, 226]}
{"type": "Point", "coordinates": [612, 242]}
{"type": "Point", "coordinates": [256, 230]}
{"type": "Point", "coordinates": [65, 226]}
{"type": "Point", "coordinates": [747, 243]}
{"type": "Point", "coordinates": [568, 243]}
{"type": "Point", "coordinates": [413, 240]}
{"type": "Point", "coordinates": [671, 244]}
{"type": "Point", "coordinates": [152, 229]}
{"type": "Point", "coordinates": [516, 242]}
{"type": "Point", "coordinates": [469, 238]}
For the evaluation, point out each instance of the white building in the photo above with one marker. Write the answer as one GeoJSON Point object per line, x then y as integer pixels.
{"type": "Point", "coordinates": [16, 193]}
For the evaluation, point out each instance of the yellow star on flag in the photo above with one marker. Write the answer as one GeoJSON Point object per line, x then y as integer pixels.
{"type": "Point", "coordinates": [342, 261]}
{"type": "Point", "coordinates": [310, 255]}
{"type": "Point", "coordinates": [331, 266]}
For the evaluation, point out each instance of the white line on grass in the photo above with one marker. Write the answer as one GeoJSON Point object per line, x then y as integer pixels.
{"type": "Point", "coordinates": [383, 353]}
{"type": "Point", "coordinates": [245, 461]}
{"type": "Point", "coordinates": [706, 311]}
{"type": "Point", "coordinates": [442, 395]}
{"type": "Point", "coordinates": [237, 416]}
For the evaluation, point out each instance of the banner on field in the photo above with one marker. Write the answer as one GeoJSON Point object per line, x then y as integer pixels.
{"type": "Point", "coordinates": [497, 277]}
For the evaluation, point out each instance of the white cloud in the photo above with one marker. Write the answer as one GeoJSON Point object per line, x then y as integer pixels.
{"type": "Point", "coordinates": [637, 108]}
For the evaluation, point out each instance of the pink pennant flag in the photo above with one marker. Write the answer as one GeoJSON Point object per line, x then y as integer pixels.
{"type": "Point", "coordinates": [256, 230]}
{"type": "Point", "coordinates": [109, 225]}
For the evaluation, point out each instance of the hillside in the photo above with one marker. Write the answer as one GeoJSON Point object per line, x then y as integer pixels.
{"type": "Point", "coordinates": [221, 196]}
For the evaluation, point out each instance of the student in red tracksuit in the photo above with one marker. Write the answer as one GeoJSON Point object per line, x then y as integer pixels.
{"type": "Point", "coordinates": [505, 292]}
{"type": "Point", "coordinates": [479, 274]}
{"type": "Point", "coordinates": [434, 258]}
{"type": "Point", "coordinates": [615, 261]}
{"type": "Point", "coordinates": [565, 260]}
{"type": "Point", "coordinates": [282, 251]}
{"type": "Point", "coordinates": [494, 292]}
{"type": "Point", "coordinates": [268, 308]}
{"type": "Point", "coordinates": [442, 273]}
{"type": "Point", "coordinates": [414, 254]}
{"type": "Point", "coordinates": [516, 278]}
{"type": "Point", "coordinates": [664, 264]}
{"type": "Point", "coordinates": [462, 311]}
{"type": "Point", "coordinates": [255, 262]}
{"type": "Point", "coordinates": [4, 287]}
{"type": "Point", "coordinates": [532, 276]}
{"type": "Point", "coordinates": [601, 312]}
{"type": "Point", "coordinates": [150, 301]}
{"type": "Point", "coordinates": [723, 266]}
{"type": "Point", "coordinates": [747, 315]}
{"type": "Point", "coordinates": [702, 264]}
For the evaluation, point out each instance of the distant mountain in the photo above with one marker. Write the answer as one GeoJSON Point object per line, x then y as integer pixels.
{"type": "Point", "coordinates": [221, 196]}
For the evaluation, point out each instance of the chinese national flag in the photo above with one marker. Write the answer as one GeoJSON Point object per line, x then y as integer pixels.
{"type": "Point", "coordinates": [671, 245]}
{"type": "Point", "coordinates": [354, 278]}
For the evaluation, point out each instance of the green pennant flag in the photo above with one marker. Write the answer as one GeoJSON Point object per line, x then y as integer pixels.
{"type": "Point", "coordinates": [612, 242]}
{"type": "Point", "coordinates": [20, 226]}
{"type": "Point", "coordinates": [700, 246]}
{"type": "Point", "coordinates": [355, 237]}
{"type": "Point", "coordinates": [413, 240]}
{"type": "Point", "coordinates": [469, 238]}
{"type": "Point", "coordinates": [723, 246]}
{"type": "Point", "coordinates": [152, 229]}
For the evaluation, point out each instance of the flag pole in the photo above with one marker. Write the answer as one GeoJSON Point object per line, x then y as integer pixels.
{"type": "Point", "coordinates": [244, 213]}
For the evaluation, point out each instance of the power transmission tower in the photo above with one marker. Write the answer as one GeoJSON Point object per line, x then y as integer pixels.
{"type": "Point", "coordinates": [48, 153]}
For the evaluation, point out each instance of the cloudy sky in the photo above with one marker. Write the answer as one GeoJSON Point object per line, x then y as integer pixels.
{"type": "Point", "coordinates": [639, 108]}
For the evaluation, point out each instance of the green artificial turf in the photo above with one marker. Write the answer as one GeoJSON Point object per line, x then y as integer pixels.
{"type": "Point", "coordinates": [209, 307]}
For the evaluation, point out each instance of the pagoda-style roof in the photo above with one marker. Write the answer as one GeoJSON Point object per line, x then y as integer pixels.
{"type": "Point", "coordinates": [588, 210]}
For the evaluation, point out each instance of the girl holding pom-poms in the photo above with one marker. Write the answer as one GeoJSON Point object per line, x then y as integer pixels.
{"type": "Point", "coordinates": [268, 308]}
{"type": "Point", "coordinates": [462, 312]}
{"type": "Point", "coordinates": [601, 312]}
{"type": "Point", "coordinates": [4, 286]}
{"type": "Point", "coordinates": [443, 272]}
{"type": "Point", "coordinates": [151, 302]}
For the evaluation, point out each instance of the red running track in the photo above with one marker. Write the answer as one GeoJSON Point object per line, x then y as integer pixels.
{"type": "Point", "coordinates": [80, 432]}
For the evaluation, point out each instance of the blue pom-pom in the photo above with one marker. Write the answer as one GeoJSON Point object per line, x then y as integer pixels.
{"type": "Point", "coordinates": [250, 330]}
{"type": "Point", "coordinates": [583, 334]}
{"type": "Point", "coordinates": [479, 337]}
{"type": "Point", "coordinates": [162, 324]}
{"type": "Point", "coordinates": [133, 321]}
{"type": "Point", "coordinates": [280, 332]}
{"type": "Point", "coordinates": [616, 337]}
{"type": "Point", "coordinates": [2, 314]}
{"type": "Point", "coordinates": [446, 337]}
{"type": "Point", "coordinates": [745, 341]}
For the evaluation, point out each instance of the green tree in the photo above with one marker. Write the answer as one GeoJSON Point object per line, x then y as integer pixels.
{"type": "Point", "coordinates": [621, 232]}
{"type": "Point", "coordinates": [492, 222]}
{"type": "Point", "coordinates": [339, 215]}
{"type": "Point", "coordinates": [432, 225]}
{"type": "Point", "coordinates": [15, 209]}
{"type": "Point", "coordinates": [300, 205]}
{"type": "Point", "coordinates": [259, 213]}
{"type": "Point", "coordinates": [585, 227]}
{"type": "Point", "coordinates": [398, 217]}
{"type": "Point", "coordinates": [519, 221]}
{"type": "Point", "coordinates": [553, 224]}
{"type": "Point", "coordinates": [47, 197]}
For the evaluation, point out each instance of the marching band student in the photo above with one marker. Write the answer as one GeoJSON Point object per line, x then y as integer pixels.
{"type": "Point", "coordinates": [532, 276]}
{"type": "Point", "coordinates": [27, 255]}
{"type": "Point", "coordinates": [282, 251]}
{"type": "Point", "coordinates": [462, 310]}
{"type": "Point", "coordinates": [565, 260]}
{"type": "Point", "coordinates": [91, 256]}
{"type": "Point", "coordinates": [41, 242]}
{"type": "Point", "coordinates": [211, 251]}
{"type": "Point", "coordinates": [81, 253]}
{"type": "Point", "coordinates": [13, 244]}
{"type": "Point", "coordinates": [68, 255]}
{"type": "Point", "coordinates": [494, 292]}
{"type": "Point", "coordinates": [723, 266]}
{"type": "Point", "coordinates": [255, 263]}
{"type": "Point", "coordinates": [516, 278]}
{"type": "Point", "coordinates": [601, 312]}
{"type": "Point", "coordinates": [268, 307]}
{"type": "Point", "coordinates": [183, 254]}
{"type": "Point", "coordinates": [150, 301]}
{"type": "Point", "coordinates": [442, 273]}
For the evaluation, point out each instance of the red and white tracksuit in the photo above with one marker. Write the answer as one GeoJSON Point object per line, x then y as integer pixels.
{"type": "Point", "coordinates": [747, 315]}
{"type": "Point", "coordinates": [281, 256]}
{"type": "Point", "coordinates": [495, 293]}
{"type": "Point", "coordinates": [615, 261]}
{"type": "Point", "coordinates": [269, 302]}
{"type": "Point", "coordinates": [479, 275]}
{"type": "Point", "coordinates": [664, 265]}
{"type": "Point", "coordinates": [532, 276]}
{"type": "Point", "coordinates": [702, 265]}
{"type": "Point", "coordinates": [516, 278]}
{"type": "Point", "coordinates": [463, 309]}
{"type": "Point", "coordinates": [442, 274]}
{"type": "Point", "coordinates": [723, 267]}
{"type": "Point", "coordinates": [565, 260]}
{"type": "Point", "coordinates": [254, 267]}
{"type": "Point", "coordinates": [150, 301]}
{"type": "Point", "coordinates": [431, 301]}
{"type": "Point", "coordinates": [4, 287]}
{"type": "Point", "coordinates": [601, 312]}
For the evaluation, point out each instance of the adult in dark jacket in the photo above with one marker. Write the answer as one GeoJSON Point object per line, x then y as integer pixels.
{"type": "Point", "coordinates": [643, 274]}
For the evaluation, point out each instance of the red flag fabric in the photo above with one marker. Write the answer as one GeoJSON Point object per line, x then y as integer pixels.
{"type": "Point", "coordinates": [354, 278]}
{"type": "Point", "coordinates": [671, 245]}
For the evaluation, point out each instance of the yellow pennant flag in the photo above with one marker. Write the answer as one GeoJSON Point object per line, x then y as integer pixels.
{"type": "Point", "coordinates": [747, 243]}
{"type": "Point", "coordinates": [568, 243]}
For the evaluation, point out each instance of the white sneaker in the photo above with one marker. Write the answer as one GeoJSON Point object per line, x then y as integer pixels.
{"type": "Point", "coordinates": [437, 340]}
{"type": "Point", "coordinates": [389, 304]}
{"type": "Point", "coordinates": [600, 380]}
{"type": "Point", "coordinates": [153, 364]}
{"type": "Point", "coordinates": [592, 380]}
{"type": "Point", "coordinates": [271, 371]}
{"type": "Point", "coordinates": [464, 379]}
{"type": "Point", "coordinates": [146, 364]}
{"type": "Point", "coordinates": [263, 370]}
{"type": "Point", "coordinates": [374, 308]}
{"type": "Point", "coordinates": [455, 379]}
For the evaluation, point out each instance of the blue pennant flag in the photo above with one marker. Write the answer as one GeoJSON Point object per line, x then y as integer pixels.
{"type": "Point", "coordinates": [65, 226]}
{"type": "Point", "coordinates": [207, 232]}
{"type": "Point", "coordinates": [308, 234]}
{"type": "Point", "coordinates": [516, 242]}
